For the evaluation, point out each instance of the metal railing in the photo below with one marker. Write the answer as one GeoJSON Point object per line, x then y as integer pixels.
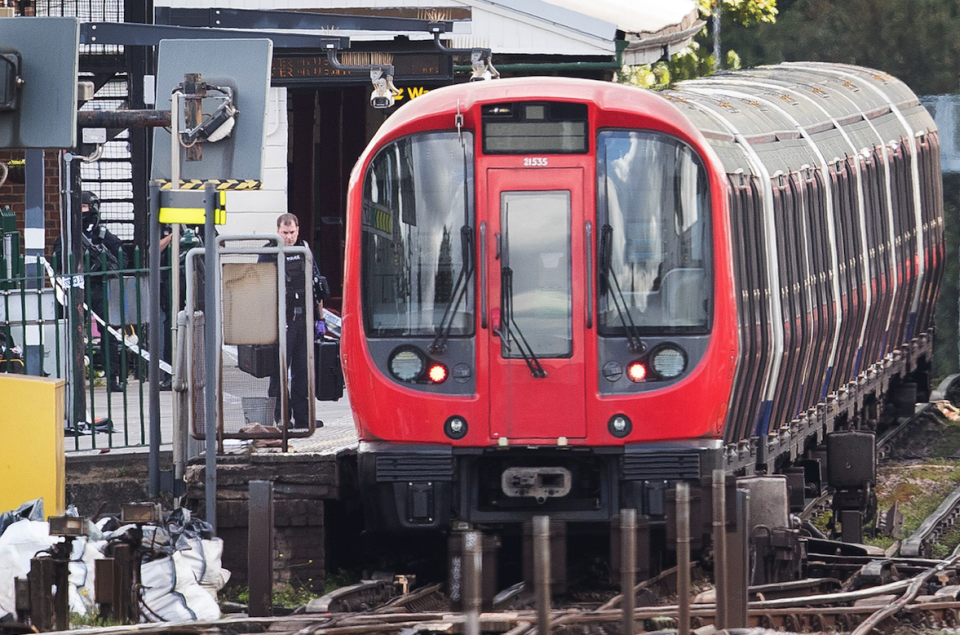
{"type": "Point", "coordinates": [89, 329]}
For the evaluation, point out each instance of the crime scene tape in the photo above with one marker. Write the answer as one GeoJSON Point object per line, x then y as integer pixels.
{"type": "Point", "coordinates": [61, 283]}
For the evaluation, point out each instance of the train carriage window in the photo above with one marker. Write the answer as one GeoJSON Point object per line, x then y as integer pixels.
{"type": "Point", "coordinates": [417, 229]}
{"type": "Point", "coordinates": [654, 195]}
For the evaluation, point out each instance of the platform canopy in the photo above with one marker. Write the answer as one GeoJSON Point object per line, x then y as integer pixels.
{"type": "Point", "coordinates": [565, 28]}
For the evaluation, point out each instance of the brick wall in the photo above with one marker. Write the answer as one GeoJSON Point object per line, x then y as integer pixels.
{"type": "Point", "coordinates": [299, 539]}
{"type": "Point", "coordinates": [302, 483]}
{"type": "Point", "coordinates": [13, 193]}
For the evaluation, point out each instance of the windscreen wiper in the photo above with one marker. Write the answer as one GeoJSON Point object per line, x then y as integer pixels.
{"type": "Point", "coordinates": [507, 333]}
{"type": "Point", "coordinates": [459, 291]}
{"type": "Point", "coordinates": [616, 295]}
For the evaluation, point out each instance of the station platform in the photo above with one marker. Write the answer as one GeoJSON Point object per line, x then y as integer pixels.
{"type": "Point", "coordinates": [129, 413]}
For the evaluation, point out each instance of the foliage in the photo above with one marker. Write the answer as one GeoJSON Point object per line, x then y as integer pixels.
{"type": "Point", "coordinates": [284, 595]}
{"type": "Point", "coordinates": [340, 578]}
{"type": "Point", "coordinates": [823, 521]}
{"type": "Point", "coordinates": [94, 620]}
{"type": "Point", "coordinates": [289, 596]}
{"type": "Point", "coordinates": [698, 60]}
{"type": "Point", "coordinates": [745, 12]}
{"type": "Point", "coordinates": [915, 40]}
{"type": "Point", "coordinates": [947, 317]}
{"type": "Point", "coordinates": [920, 490]}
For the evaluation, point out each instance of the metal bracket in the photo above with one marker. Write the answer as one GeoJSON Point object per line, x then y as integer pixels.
{"type": "Point", "coordinates": [220, 17]}
{"type": "Point", "coordinates": [480, 59]}
{"type": "Point", "coordinates": [169, 483]}
{"type": "Point", "coordinates": [128, 33]}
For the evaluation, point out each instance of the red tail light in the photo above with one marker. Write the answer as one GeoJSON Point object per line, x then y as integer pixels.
{"type": "Point", "coordinates": [636, 371]}
{"type": "Point", "coordinates": [437, 373]}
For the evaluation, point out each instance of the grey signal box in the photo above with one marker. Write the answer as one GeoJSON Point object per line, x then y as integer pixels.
{"type": "Point", "coordinates": [38, 110]}
{"type": "Point", "coordinates": [244, 67]}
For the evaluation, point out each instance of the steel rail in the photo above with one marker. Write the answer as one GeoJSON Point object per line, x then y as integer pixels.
{"type": "Point", "coordinates": [522, 622]}
{"type": "Point", "coordinates": [945, 515]}
{"type": "Point", "coordinates": [891, 434]}
{"type": "Point", "coordinates": [912, 591]}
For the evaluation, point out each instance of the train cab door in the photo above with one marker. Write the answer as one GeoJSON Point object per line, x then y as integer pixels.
{"type": "Point", "coordinates": [535, 291]}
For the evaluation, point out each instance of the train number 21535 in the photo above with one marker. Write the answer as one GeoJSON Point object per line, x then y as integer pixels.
{"type": "Point", "coordinates": [534, 162]}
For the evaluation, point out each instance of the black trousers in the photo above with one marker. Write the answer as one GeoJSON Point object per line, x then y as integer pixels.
{"type": "Point", "coordinates": [110, 348]}
{"type": "Point", "coordinates": [299, 396]}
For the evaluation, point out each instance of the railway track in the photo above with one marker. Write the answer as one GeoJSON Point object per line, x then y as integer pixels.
{"type": "Point", "coordinates": [855, 589]}
{"type": "Point", "coordinates": [841, 611]}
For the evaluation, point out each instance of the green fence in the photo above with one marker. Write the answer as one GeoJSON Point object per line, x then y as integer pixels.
{"type": "Point", "coordinates": [86, 328]}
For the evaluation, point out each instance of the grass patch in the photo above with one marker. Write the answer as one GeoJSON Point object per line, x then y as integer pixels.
{"type": "Point", "coordinates": [284, 595]}
{"type": "Point", "coordinates": [948, 445]}
{"type": "Point", "coordinates": [822, 521]}
{"type": "Point", "coordinates": [288, 595]}
{"type": "Point", "coordinates": [338, 579]}
{"type": "Point", "coordinates": [917, 501]}
{"type": "Point", "coordinates": [94, 620]}
{"type": "Point", "coordinates": [947, 543]}
{"type": "Point", "coordinates": [920, 489]}
{"type": "Point", "coordinates": [884, 542]}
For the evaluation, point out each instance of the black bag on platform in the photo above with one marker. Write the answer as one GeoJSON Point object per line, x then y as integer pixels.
{"type": "Point", "coordinates": [328, 373]}
{"type": "Point", "coordinates": [259, 360]}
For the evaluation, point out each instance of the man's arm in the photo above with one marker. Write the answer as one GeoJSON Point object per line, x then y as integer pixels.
{"type": "Point", "coordinates": [113, 244]}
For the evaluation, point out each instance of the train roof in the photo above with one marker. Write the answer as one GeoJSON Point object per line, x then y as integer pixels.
{"type": "Point", "coordinates": [800, 114]}
{"type": "Point", "coordinates": [776, 110]}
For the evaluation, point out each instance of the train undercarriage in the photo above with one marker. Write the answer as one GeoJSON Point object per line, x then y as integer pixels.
{"type": "Point", "coordinates": [828, 449]}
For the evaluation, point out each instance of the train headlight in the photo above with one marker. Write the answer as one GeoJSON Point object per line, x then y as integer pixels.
{"type": "Point", "coordinates": [407, 364]}
{"type": "Point", "coordinates": [637, 372]}
{"type": "Point", "coordinates": [455, 427]}
{"type": "Point", "coordinates": [669, 361]}
{"type": "Point", "coordinates": [620, 426]}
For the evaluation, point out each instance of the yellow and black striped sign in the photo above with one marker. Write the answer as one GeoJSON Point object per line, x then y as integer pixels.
{"type": "Point", "coordinates": [188, 207]}
{"type": "Point", "coordinates": [221, 184]}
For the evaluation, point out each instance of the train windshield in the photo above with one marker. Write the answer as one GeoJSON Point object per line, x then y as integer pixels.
{"type": "Point", "coordinates": [654, 209]}
{"type": "Point", "coordinates": [417, 200]}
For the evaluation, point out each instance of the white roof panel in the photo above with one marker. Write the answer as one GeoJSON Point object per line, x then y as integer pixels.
{"type": "Point", "coordinates": [636, 16]}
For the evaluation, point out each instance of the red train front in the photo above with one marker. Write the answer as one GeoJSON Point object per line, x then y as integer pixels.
{"type": "Point", "coordinates": [536, 319]}
{"type": "Point", "coordinates": [565, 296]}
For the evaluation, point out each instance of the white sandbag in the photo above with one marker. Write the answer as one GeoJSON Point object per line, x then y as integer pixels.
{"type": "Point", "coordinates": [8, 566]}
{"type": "Point", "coordinates": [18, 545]}
{"type": "Point", "coordinates": [171, 592]}
{"type": "Point", "coordinates": [82, 569]}
{"type": "Point", "coordinates": [204, 558]}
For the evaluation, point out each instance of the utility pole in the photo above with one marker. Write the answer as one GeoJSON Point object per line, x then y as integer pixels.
{"type": "Point", "coordinates": [716, 34]}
